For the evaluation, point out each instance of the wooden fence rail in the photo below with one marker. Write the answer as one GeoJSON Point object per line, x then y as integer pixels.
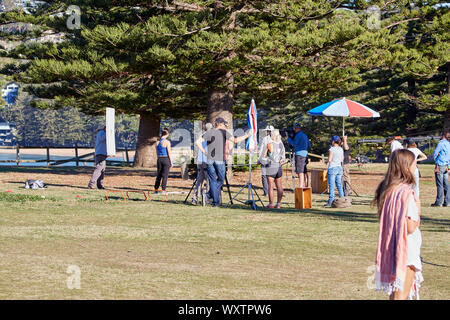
{"type": "Point", "coordinates": [82, 158]}
{"type": "Point", "coordinates": [77, 159]}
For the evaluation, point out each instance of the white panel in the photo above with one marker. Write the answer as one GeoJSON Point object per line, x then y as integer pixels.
{"type": "Point", "coordinates": [110, 132]}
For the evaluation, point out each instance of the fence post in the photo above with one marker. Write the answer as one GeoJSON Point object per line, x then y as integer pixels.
{"type": "Point", "coordinates": [48, 156]}
{"type": "Point", "coordinates": [76, 154]}
{"type": "Point", "coordinates": [18, 154]}
{"type": "Point", "coordinates": [127, 156]}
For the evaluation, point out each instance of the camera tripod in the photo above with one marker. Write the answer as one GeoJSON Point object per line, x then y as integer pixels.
{"type": "Point", "coordinates": [203, 189]}
{"type": "Point", "coordinates": [251, 190]}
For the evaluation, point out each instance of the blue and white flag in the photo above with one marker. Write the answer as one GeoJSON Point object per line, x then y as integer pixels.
{"type": "Point", "coordinates": [252, 121]}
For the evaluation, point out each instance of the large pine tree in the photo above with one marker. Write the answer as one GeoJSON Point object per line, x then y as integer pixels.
{"type": "Point", "coordinates": [185, 59]}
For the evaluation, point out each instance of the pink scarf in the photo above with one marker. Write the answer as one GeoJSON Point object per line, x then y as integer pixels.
{"type": "Point", "coordinates": [392, 250]}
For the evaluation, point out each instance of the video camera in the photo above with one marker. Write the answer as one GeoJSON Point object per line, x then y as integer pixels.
{"type": "Point", "coordinates": [289, 132]}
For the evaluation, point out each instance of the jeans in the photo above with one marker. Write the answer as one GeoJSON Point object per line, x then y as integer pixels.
{"type": "Point", "coordinates": [442, 186]}
{"type": "Point", "coordinates": [335, 178]}
{"type": "Point", "coordinates": [265, 184]}
{"type": "Point", "coordinates": [216, 177]}
{"type": "Point", "coordinates": [201, 176]}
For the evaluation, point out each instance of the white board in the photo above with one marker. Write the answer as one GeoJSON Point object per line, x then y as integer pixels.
{"type": "Point", "coordinates": [110, 132]}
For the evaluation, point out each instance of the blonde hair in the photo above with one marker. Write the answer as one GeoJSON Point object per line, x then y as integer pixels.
{"type": "Point", "coordinates": [276, 136]}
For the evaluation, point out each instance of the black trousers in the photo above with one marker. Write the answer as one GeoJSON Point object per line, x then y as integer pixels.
{"type": "Point", "coordinates": [163, 165]}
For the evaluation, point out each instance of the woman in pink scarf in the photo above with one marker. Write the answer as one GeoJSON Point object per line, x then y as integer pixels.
{"type": "Point", "coordinates": [398, 264]}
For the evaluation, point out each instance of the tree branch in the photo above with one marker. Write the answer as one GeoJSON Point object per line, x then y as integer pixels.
{"type": "Point", "coordinates": [400, 22]}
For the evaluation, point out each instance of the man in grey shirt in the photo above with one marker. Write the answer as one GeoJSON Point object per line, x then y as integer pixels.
{"type": "Point", "coordinates": [100, 160]}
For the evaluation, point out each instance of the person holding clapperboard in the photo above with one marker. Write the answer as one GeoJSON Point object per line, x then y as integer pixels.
{"type": "Point", "coordinates": [105, 146]}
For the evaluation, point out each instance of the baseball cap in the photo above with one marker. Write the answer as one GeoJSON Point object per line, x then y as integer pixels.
{"type": "Point", "coordinates": [335, 138]}
{"type": "Point", "coordinates": [221, 120]}
{"type": "Point", "coordinates": [269, 128]}
{"type": "Point", "coordinates": [297, 126]}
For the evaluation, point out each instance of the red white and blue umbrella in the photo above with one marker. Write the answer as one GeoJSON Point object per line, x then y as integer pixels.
{"type": "Point", "coordinates": [252, 121]}
{"type": "Point", "coordinates": [344, 108]}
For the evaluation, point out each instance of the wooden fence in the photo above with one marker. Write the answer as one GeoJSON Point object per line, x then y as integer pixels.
{"type": "Point", "coordinates": [178, 154]}
{"type": "Point", "coordinates": [85, 158]}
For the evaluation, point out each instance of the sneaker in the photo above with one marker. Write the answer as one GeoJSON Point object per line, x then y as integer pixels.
{"type": "Point", "coordinates": [101, 187]}
{"type": "Point", "coordinates": [194, 202]}
{"type": "Point", "coordinates": [277, 206]}
{"type": "Point", "coordinates": [270, 206]}
{"type": "Point", "coordinates": [436, 205]}
{"type": "Point", "coordinates": [328, 205]}
{"type": "Point", "coordinates": [446, 205]}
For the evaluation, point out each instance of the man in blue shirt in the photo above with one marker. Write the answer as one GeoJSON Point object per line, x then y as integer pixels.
{"type": "Point", "coordinates": [301, 145]}
{"type": "Point", "coordinates": [441, 156]}
{"type": "Point", "coordinates": [100, 160]}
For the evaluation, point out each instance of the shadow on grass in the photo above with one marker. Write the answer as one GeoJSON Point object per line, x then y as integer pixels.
{"type": "Point", "coordinates": [112, 171]}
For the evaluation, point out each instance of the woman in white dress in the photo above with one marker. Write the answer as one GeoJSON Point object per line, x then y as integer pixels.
{"type": "Point", "coordinates": [398, 265]}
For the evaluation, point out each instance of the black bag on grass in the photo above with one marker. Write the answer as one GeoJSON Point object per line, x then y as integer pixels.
{"type": "Point", "coordinates": [35, 184]}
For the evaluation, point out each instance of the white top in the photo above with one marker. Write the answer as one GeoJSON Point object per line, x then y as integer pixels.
{"type": "Point", "coordinates": [279, 154]}
{"type": "Point", "coordinates": [396, 145]}
{"type": "Point", "coordinates": [414, 239]}
{"type": "Point", "coordinates": [338, 157]}
{"type": "Point", "coordinates": [416, 152]}
{"type": "Point", "coordinates": [262, 146]}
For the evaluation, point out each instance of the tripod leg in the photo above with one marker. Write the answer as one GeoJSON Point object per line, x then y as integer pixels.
{"type": "Point", "coordinates": [258, 196]}
{"type": "Point", "coordinates": [192, 188]}
{"type": "Point", "coordinates": [231, 200]}
{"type": "Point", "coordinates": [250, 189]}
{"type": "Point", "coordinates": [228, 188]}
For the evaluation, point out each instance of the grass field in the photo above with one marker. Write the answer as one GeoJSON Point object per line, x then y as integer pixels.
{"type": "Point", "coordinates": [140, 249]}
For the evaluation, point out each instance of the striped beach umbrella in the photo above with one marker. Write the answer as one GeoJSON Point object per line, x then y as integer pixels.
{"type": "Point", "coordinates": [252, 121]}
{"type": "Point", "coordinates": [344, 108]}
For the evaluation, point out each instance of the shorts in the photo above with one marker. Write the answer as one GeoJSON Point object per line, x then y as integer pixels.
{"type": "Point", "coordinates": [300, 164]}
{"type": "Point", "coordinates": [277, 174]}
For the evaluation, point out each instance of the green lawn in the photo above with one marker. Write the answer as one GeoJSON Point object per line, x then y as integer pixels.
{"type": "Point", "coordinates": [169, 250]}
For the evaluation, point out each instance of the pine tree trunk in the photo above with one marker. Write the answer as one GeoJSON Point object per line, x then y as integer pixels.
{"type": "Point", "coordinates": [220, 104]}
{"type": "Point", "coordinates": [147, 138]}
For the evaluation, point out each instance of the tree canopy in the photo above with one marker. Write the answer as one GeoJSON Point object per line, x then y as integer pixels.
{"type": "Point", "coordinates": [188, 59]}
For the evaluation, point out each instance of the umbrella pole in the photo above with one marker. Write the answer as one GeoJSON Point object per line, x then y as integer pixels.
{"type": "Point", "coordinates": [343, 127]}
